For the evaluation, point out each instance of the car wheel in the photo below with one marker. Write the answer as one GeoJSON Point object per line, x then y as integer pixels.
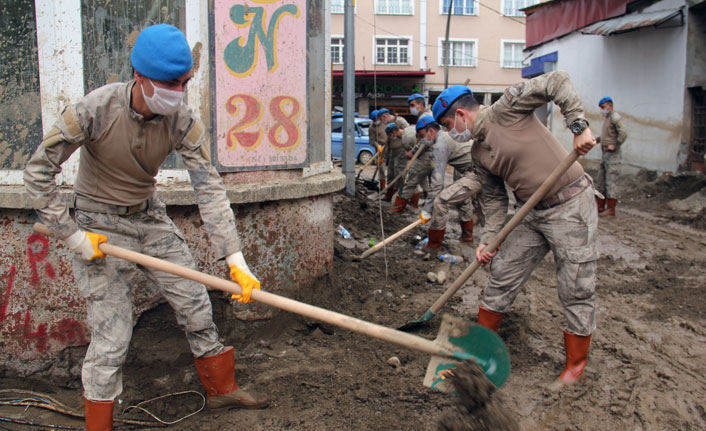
{"type": "Point", "coordinates": [364, 157]}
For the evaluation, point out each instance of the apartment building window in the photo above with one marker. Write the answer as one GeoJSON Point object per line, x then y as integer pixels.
{"type": "Point", "coordinates": [394, 7]}
{"type": "Point", "coordinates": [392, 51]}
{"type": "Point", "coordinates": [337, 50]}
{"type": "Point", "coordinates": [462, 53]}
{"type": "Point", "coordinates": [461, 7]}
{"type": "Point", "coordinates": [512, 53]}
{"type": "Point", "coordinates": [337, 6]}
{"type": "Point", "coordinates": [512, 7]}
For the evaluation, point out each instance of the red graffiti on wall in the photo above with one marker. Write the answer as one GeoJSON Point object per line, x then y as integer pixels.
{"type": "Point", "coordinates": [66, 331]}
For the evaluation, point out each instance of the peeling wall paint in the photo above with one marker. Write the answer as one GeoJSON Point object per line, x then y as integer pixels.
{"type": "Point", "coordinates": [287, 244]}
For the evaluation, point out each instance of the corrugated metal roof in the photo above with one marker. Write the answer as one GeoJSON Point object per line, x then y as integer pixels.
{"type": "Point", "coordinates": [633, 21]}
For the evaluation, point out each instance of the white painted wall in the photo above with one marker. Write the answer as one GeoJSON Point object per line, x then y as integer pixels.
{"type": "Point", "coordinates": [644, 72]}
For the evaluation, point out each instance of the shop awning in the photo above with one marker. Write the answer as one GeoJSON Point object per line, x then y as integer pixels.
{"type": "Point", "coordinates": [636, 21]}
{"type": "Point", "coordinates": [401, 73]}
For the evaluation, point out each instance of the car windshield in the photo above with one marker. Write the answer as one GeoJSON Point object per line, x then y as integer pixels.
{"type": "Point", "coordinates": [365, 127]}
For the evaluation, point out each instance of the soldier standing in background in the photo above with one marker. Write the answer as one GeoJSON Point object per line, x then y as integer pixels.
{"type": "Point", "coordinates": [613, 135]}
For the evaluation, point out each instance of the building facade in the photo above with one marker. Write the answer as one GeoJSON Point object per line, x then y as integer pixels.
{"type": "Point", "coordinates": [399, 49]}
{"type": "Point", "coordinates": [649, 56]}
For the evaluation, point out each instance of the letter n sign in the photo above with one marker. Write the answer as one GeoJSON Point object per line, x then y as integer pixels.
{"type": "Point", "coordinates": [260, 84]}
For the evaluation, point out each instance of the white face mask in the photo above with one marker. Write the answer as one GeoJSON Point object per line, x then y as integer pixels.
{"type": "Point", "coordinates": [414, 111]}
{"type": "Point", "coordinates": [605, 112]}
{"type": "Point", "coordinates": [163, 101]}
{"type": "Point", "coordinates": [457, 136]}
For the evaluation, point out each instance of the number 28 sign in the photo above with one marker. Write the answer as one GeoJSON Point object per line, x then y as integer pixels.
{"type": "Point", "coordinates": [260, 83]}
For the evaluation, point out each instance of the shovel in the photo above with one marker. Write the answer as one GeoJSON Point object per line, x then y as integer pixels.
{"type": "Point", "coordinates": [496, 241]}
{"type": "Point", "coordinates": [406, 168]}
{"type": "Point", "coordinates": [392, 237]}
{"type": "Point", "coordinates": [456, 342]}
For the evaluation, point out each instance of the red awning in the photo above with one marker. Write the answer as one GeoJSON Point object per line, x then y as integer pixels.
{"type": "Point", "coordinates": [402, 73]}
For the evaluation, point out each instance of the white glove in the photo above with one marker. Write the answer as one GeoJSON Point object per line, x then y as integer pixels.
{"type": "Point", "coordinates": [424, 216]}
{"type": "Point", "coordinates": [238, 260]}
{"type": "Point", "coordinates": [85, 244]}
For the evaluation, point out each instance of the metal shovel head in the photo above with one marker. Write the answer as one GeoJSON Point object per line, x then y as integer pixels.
{"type": "Point", "coordinates": [371, 185]}
{"type": "Point", "coordinates": [417, 323]}
{"type": "Point", "coordinates": [463, 340]}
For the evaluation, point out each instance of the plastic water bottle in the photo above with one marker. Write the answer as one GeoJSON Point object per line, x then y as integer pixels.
{"type": "Point", "coordinates": [451, 258]}
{"type": "Point", "coordinates": [421, 244]}
{"type": "Point", "coordinates": [344, 233]}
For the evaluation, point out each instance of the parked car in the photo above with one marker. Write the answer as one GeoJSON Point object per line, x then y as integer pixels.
{"type": "Point", "coordinates": [363, 150]}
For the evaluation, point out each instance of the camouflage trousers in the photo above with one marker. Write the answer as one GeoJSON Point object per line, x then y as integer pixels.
{"type": "Point", "coordinates": [609, 174]}
{"type": "Point", "coordinates": [398, 161]}
{"type": "Point", "coordinates": [569, 231]}
{"type": "Point", "coordinates": [460, 194]}
{"type": "Point", "coordinates": [106, 285]}
{"type": "Point", "coordinates": [418, 175]}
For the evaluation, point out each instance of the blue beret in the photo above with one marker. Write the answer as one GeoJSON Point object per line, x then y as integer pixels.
{"type": "Point", "coordinates": [605, 100]}
{"type": "Point", "coordinates": [415, 96]}
{"type": "Point", "coordinates": [383, 111]}
{"type": "Point", "coordinates": [162, 53]}
{"type": "Point", "coordinates": [447, 98]}
{"type": "Point", "coordinates": [374, 115]}
{"type": "Point", "coordinates": [424, 122]}
{"type": "Point", "coordinates": [391, 128]}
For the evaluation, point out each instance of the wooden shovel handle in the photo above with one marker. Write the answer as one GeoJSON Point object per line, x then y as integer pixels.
{"type": "Point", "coordinates": [498, 239]}
{"type": "Point", "coordinates": [409, 165]}
{"type": "Point", "coordinates": [351, 323]}
{"type": "Point", "coordinates": [391, 238]}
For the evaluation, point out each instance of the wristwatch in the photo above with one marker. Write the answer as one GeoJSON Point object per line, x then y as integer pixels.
{"type": "Point", "coordinates": [578, 126]}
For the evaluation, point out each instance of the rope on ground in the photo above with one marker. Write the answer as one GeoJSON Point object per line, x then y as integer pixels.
{"type": "Point", "coordinates": [44, 401]}
{"type": "Point", "coordinates": [139, 407]}
{"type": "Point", "coordinates": [37, 424]}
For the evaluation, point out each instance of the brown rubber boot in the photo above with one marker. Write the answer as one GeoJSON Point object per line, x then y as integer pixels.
{"type": "Point", "coordinates": [466, 231]}
{"type": "Point", "coordinates": [601, 204]}
{"type": "Point", "coordinates": [415, 200]}
{"type": "Point", "coordinates": [436, 237]}
{"type": "Point", "coordinates": [577, 347]}
{"type": "Point", "coordinates": [400, 204]}
{"type": "Point", "coordinates": [389, 193]}
{"type": "Point", "coordinates": [610, 208]}
{"type": "Point", "coordinates": [217, 375]}
{"type": "Point", "coordinates": [490, 319]}
{"type": "Point", "coordinates": [99, 415]}
{"type": "Point", "coordinates": [382, 184]}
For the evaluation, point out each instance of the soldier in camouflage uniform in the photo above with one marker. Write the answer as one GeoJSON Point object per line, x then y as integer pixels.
{"type": "Point", "coordinates": [126, 131]}
{"type": "Point", "coordinates": [511, 145]}
{"type": "Point", "coordinates": [612, 137]}
{"type": "Point", "coordinates": [395, 153]}
{"type": "Point", "coordinates": [378, 139]}
{"type": "Point", "coordinates": [398, 142]}
{"type": "Point", "coordinates": [460, 194]}
{"type": "Point", "coordinates": [420, 171]}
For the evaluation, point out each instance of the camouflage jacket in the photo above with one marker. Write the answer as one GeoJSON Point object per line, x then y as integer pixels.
{"type": "Point", "coordinates": [122, 153]}
{"type": "Point", "coordinates": [613, 131]}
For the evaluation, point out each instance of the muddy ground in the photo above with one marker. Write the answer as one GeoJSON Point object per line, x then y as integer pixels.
{"type": "Point", "coordinates": [645, 372]}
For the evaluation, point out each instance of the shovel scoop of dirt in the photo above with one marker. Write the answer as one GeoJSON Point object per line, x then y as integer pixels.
{"type": "Point", "coordinates": [477, 406]}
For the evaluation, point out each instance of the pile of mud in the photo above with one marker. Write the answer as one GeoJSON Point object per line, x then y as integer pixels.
{"type": "Point", "coordinates": [478, 407]}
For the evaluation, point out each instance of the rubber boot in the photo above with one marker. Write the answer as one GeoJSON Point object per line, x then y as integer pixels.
{"type": "Point", "coordinates": [389, 193]}
{"type": "Point", "coordinates": [466, 231]}
{"type": "Point", "coordinates": [99, 415]}
{"type": "Point", "coordinates": [610, 208]}
{"type": "Point", "coordinates": [382, 184]}
{"type": "Point", "coordinates": [217, 375]}
{"type": "Point", "coordinates": [576, 355]}
{"type": "Point", "coordinates": [436, 237]}
{"type": "Point", "coordinates": [415, 200]}
{"type": "Point", "coordinates": [601, 204]}
{"type": "Point", "coordinates": [400, 204]}
{"type": "Point", "coordinates": [490, 319]}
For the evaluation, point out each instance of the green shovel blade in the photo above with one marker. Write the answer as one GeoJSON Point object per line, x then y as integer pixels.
{"type": "Point", "coordinates": [468, 341]}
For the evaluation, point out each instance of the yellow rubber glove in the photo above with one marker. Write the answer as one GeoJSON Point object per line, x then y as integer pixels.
{"type": "Point", "coordinates": [85, 244]}
{"type": "Point", "coordinates": [240, 273]}
{"type": "Point", "coordinates": [424, 217]}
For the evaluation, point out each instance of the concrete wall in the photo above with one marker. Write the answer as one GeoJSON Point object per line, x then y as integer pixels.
{"type": "Point", "coordinates": [285, 217]}
{"type": "Point", "coordinates": [643, 71]}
